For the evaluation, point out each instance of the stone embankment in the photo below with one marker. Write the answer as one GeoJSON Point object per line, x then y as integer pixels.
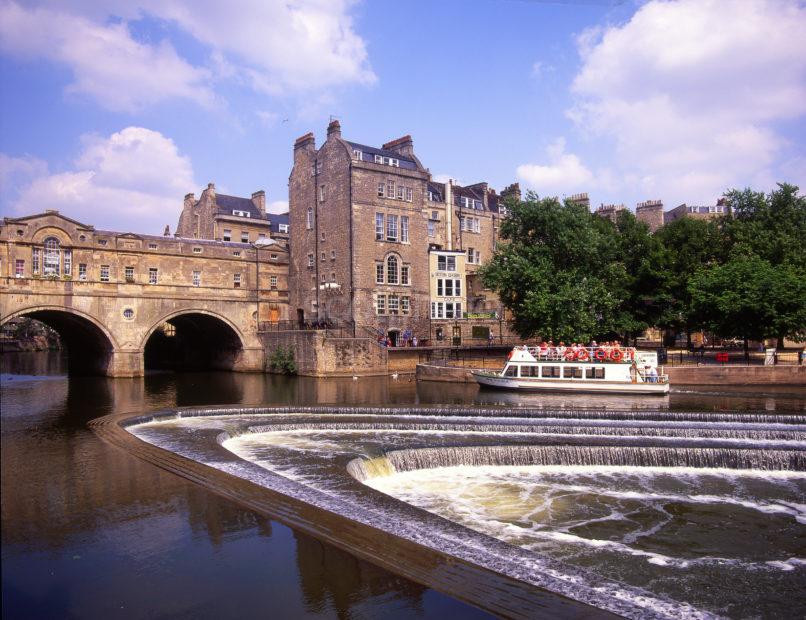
{"type": "Point", "coordinates": [681, 375]}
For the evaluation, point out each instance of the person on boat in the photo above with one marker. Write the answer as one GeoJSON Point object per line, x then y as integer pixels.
{"type": "Point", "coordinates": [653, 374]}
{"type": "Point", "coordinates": [634, 372]}
{"type": "Point", "coordinates": [544, 350]}
{"type": "Point", "coordinates": [561, 349]}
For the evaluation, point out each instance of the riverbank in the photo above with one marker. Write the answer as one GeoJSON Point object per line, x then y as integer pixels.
{"type": "Point", "coordinates": [683, 375]}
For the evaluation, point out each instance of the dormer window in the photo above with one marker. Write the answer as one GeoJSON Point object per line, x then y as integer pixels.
{"type": "Point", "coordinates": [283, 228]}
{"type": "Point", "coordinates": [358, 154]}
{"type": "Point", "coordinates": [387, 161]}
{"type": "Point", "coordinates": [241, 213]}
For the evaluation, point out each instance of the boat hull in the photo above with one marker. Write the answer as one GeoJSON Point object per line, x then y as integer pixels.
{"type": "Point", "coordinates": [527, 384]}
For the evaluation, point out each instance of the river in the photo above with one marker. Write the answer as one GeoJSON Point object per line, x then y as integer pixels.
{"type": "Point", "coordinates": [89, 531]}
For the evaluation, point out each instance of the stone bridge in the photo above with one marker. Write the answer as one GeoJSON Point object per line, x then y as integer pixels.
{"type": "Point", "coordinates": [123, 302]}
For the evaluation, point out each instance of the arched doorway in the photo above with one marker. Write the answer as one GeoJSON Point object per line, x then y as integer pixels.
{"type": "Point", "coordinates": [88, 346]}
{"type": "Point", "coordinates": [192, 341]}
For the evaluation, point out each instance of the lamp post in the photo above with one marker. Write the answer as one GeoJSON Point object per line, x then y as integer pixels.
{"type": "Point", "coordinates": [258, 244]}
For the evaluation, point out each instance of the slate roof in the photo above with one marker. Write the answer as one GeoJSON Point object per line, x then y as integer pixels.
{"type": "Point", "coordinates": [438, 189]}
{"type": "Point", "coordinates": [226, 205]}
{"type": "Point", "coordinates": [369, 152]}
{"type": "Point", "coordinates": [276, 220]}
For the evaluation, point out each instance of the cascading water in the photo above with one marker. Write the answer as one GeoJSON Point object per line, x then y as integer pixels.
{"type": "Point", "coordinates": [705, 509]}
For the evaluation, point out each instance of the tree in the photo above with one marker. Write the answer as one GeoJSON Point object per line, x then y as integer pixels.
{"type": "Point", "coordinates": [690, 245]}
{"type": "Point", "coordinates": [646, 263]}
{"type": "Point", "coordinates": [771, 227]}
{"type": "Point", "coordinates": [751, 299]}
{"type": "Point", "coordinates": [558, 271]}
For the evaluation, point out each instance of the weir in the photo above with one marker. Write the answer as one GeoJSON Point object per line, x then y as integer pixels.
{"type": "Point", "coordinates": [581, 467]}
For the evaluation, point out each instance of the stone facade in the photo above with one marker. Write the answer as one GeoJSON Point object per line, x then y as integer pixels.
{"type": "Point", "coordinates": [610, 211]}
{"type": "Point", "coordinates": [700, 212]}
{"type": "Point", "coordinates": [651, 213]}
{"type": "Point", "coordinates": [108, 292]}
{"type": "Point", "coordinates": [221, 217]}
{"type": "Point", "coordinates": [364, 221]}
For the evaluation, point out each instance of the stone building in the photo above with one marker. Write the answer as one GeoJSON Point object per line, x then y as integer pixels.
{"type": "Point", "coordinates": [364, 222]}
{"type": "Point", "coordinates": [580, 199]}
{"type": "Point", "coordinates": [651, 213]}
{"type": "Point", "coordinates": [111, 290]}
{"type": "Point", "coordinates": [610, 211]}
{"type": "Point", "coordinates": [221, 217]}
{"type": "Point", "coordinates": [701, 212]}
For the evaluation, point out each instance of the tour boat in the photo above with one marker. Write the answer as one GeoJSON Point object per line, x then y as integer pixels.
{"type": "Point", "coordinates": [595, 369]}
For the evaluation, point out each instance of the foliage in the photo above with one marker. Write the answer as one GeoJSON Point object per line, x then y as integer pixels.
{"type": "Point", "coordinates": [567, 274]}
{"type": "Point", "coordinates": [749, 298]}
{"type": "Point", "coordinates": [558, 271]}
{"type": "Point", "coordinates": [282, 360]}
{"type": "Point", "coordinates": [689, 245]}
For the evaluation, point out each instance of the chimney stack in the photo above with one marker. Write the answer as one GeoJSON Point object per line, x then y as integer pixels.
{"type": "Point", "coordinates": [402, 146]}
{"type": "Point", "coordinates": [334, 128]}
{"type": "Point", "coordinates": [305, 142]}
{"type": "Point", "coordinates": [259, 200]}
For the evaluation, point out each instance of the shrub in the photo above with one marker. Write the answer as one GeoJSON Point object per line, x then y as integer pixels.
{"type": "Point", "coordinates": [282, 360]}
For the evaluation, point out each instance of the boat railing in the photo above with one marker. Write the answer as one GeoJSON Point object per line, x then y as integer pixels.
{"type": "Point", "coordinates": [583, 354]}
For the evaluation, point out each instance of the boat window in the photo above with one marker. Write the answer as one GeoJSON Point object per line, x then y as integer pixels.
{"type": "Point", "coordinates": [595, 373]}
{"type": "Point", "coordinates": [530, 371]}
{"type": "Point", "coordinates": [551, 371]}
{"type": "Point", "coordinates": [511, 371]}
{"type": "Point", "coordinates": [574, 372]}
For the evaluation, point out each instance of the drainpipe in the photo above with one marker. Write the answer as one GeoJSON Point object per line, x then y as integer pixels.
{"type": "Point", "coordinates": [352, 288]}
{"type": "Point", "coordinates": [316, 229]}
{"type": "Point", "coordinates": [449, 213]}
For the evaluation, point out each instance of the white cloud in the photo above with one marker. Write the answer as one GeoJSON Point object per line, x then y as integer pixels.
{"type": "Point", "coordinates": [689, 93]}
{"type": "Point", "coordinates": [132, 180]}
{"type": "Point", "coordinates": [280, 45]}
{"type": "Point", "coordinates": [106, 62]}
{"type": "Point", "coordinates": [564, 172]}
{"type": "Point", "coordinates": [277, 206]}
{"type": "Point", "coordinates": [275, 47]}
{"type": "Point", "coordinates": [18, 171]}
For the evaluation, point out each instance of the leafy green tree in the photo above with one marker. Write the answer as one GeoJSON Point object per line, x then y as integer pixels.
{"type": "Point", "coordinates": [689, 245]}
{"type": "Point", "coordinates": [770, 226]}
{"type": "Point", "coordinates": [751, 299]}
{"type": "Point", "coordinates": [558, 271]}
{"type": "Point", "coordinates": [647, 283]}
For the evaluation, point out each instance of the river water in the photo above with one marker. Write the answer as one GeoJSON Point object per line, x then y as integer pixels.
{"type": "Point", "coordinates": [89, 531]}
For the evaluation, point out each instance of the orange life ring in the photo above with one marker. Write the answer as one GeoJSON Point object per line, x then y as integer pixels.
{"type": "Point", "coordinates": [616, 355]}
{"type": "Point", "coordinates": [600, 355]}
{"type": "Point", "coordinates": [583, 356]}
{"type": "Point", "coordinates": [570, 355]}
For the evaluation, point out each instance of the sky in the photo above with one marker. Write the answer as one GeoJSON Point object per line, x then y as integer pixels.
{"type": "Point", "coordinates": [112, 111]}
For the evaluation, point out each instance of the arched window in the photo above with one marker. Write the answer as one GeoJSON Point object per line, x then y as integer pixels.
{"type": "Point", "coordinates": [52, 262]}
{"type": "Point", "coordinates": [391, 270]}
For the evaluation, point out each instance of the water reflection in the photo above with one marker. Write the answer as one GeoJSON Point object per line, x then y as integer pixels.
{"type": "Point", "coordinates": [88, 530]}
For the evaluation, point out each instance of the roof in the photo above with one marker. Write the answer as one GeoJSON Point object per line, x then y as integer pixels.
{"type": "Point", "coordinates": [228, 204]}
{"type": "Point", "coordinates": [276, 220]}
{"type": "Point", "coordinates": [369, 152]}
{"type": "Point", "coordinates": [438, 189]}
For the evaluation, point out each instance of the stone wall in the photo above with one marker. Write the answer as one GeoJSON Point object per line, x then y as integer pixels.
{"type": "Point", "coordinates": [736, 375]}
{"type": "Point", "coordinates": [317, 355]}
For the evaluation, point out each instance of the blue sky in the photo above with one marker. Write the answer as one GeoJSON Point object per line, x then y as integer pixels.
{"type": "Point", "coordinates": [112, 111]}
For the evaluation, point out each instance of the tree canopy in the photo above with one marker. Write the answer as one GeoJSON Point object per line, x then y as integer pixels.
{"type": "Point", "coordinates": [567, 274]}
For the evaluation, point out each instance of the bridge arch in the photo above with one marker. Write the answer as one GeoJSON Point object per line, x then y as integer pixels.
{"type": "Point", "coordinates": [193, 339]}
{"type": "Point", "coordinates": [90, 345]}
